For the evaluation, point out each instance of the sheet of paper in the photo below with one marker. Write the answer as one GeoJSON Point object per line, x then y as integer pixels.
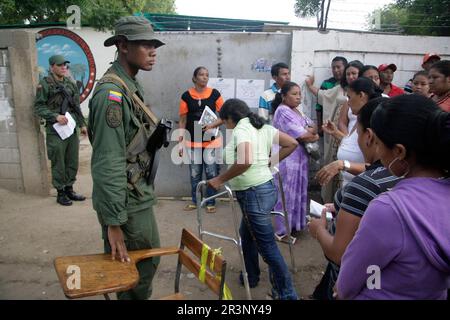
{"type": "Point", "coordinates": [208, 117]}
{"type": "Point", "coordinates": [65, 131]}
{"type": "Point", "coordinates": [224, 85]}
{"type": "Point", "coordinates": [315, 210]}
{"type": "Point", "coordinates": [249, 90]}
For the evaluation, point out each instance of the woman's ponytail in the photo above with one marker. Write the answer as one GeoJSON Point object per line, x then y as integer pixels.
{"type": "Point", "coordinates": [236, 109]}
{"type": "Point", "coordinates": [276, 102]}
{"type": "Point", "coordinates": [256, 120]}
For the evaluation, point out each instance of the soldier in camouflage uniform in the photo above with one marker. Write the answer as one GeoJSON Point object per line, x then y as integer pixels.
{"type": "Point", "coordinates": [121, 197]}
{"type": "Point", "coordinates": [56, 95]}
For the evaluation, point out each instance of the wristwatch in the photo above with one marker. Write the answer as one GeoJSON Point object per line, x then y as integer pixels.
{"type": "Point", "coordinates": [346, 165]}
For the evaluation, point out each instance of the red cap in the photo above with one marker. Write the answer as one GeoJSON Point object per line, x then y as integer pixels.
{"type": "Point", "coordinates": [385, 66]}
{"type": "Point", "coordinates": [430, 55]}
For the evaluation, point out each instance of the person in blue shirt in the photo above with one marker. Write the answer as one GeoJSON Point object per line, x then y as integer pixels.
{"type": "Point", "coordinates": [280, 74]}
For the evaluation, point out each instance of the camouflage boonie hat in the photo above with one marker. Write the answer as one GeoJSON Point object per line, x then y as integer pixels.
{"type": "Point", "coordinates": [133, 28]}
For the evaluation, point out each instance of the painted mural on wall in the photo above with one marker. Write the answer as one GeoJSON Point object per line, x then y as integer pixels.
{"type": "Point", "coordinates": [74, 49]}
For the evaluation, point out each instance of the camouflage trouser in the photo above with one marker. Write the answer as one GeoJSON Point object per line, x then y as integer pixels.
{"type": "Point", "coordinates": [140, 232]}
{"type": "Point", "coordinates": [63, 155]}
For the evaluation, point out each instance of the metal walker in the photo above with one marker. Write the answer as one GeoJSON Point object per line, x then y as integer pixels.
{"type": "Point", "coordinates": [284, 214]}
{"type": "Point", "coordinates": [237, 241]}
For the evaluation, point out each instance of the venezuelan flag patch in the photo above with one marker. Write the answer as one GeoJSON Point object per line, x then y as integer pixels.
{"type": "Point", "coordinates": [115, 96]}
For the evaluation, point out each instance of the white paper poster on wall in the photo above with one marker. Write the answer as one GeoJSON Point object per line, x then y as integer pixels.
{"type": "Point", "coordinates": [249, 90]}
{"type": "Point", "coordinates": [224, 85]}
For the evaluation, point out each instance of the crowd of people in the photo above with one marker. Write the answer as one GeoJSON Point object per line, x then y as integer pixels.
{"type": "Point", "coordinates": [378, 140]}
{"type": "Point", "coordinates": [385, 168]}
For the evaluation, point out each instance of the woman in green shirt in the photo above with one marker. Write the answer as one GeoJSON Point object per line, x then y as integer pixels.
{"type": "Point", "coordinates": [249, 175]}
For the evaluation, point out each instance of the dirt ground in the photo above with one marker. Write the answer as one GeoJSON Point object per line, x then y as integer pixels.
{"type": "Point", "coordinates": [35, 230]}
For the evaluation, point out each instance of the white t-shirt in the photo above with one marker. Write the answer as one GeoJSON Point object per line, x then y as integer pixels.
{"type": "Point", "coordinates": [349, 150]}
{"type": "Point", "coordinates": [351, 119]}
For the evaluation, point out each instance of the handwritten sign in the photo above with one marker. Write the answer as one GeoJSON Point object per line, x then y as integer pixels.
{"type": "Point", "coordinates": [249, 90]}
{"type": "Point", "coordinates": [224, 86]}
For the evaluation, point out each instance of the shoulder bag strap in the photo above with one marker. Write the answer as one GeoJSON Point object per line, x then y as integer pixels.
{"type": "Point", "coordinates": [115, 79]}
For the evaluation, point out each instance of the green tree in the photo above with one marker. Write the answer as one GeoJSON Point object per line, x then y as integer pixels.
{"type": "Point", "coordinates": [307, 8]}
{"type": "Point", "coordinates": [413, 17]}
{"type": "Point", "coordinates": [19, 12]}
{"type": "Point", "coordinates": [165, 6]}
{"type": "Point", "coordinates": [100, 14]}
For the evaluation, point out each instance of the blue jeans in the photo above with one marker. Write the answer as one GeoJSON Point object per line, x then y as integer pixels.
{"type": "Point", "coordinates": [202, 160]}
{"type": "Point", "coordinates": [256, 204]}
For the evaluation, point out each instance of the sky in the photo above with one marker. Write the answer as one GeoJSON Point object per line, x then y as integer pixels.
{"type": "Point", "coordinates": [343, 14]}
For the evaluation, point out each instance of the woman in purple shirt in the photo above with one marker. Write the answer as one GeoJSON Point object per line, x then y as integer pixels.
{"type": "Point", "coordinates": [294, 169]}
{"type": "Point", "coordinates": [402, 247]}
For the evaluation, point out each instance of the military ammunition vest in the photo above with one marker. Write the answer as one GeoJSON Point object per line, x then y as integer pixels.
{"type": "Point", "coordinates": [55, 96]}
{"type": "Point", "coordinates": [138, 158]}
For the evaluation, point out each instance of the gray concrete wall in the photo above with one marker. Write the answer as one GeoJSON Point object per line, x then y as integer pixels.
{"type": "Point", "coordinates": [10, 172]}
{"type": "Point", "coordinates": [226, 55]}
{"type": "Point", "coordinates": [22, 155]}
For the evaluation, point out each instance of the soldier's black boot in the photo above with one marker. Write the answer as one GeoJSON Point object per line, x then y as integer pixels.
{"type": "Point", "coordinates": [62, 198]}
{"type": "Point", "coordinates": [72, 195]}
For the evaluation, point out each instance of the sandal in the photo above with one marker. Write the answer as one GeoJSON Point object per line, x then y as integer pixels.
{"type": "Point", "coordinates": [279, 237]}
{"type": "Point", "coordinates": [282, 238]}
{"type": "Point", "coordinates": [190, 207]}
{"type": "Point", "coordinates": [211, 209]}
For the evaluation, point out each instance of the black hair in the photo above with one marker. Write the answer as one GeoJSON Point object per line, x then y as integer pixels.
{"type": "Point", "coordinates": [417, 123]}
{"type": "Point", "coordinates": [368, 67]}
{"type": "Point", "coordinates": [236, 109]}
{"type": "Point", "coordinates": [366, 85]}
{"type": "Point", "coordinates": [367, 110]}
{"type": "Point", "coordinates": [196, 71]}
{"type": "Point", "coordinates": [275, 70]}
{"type": "Point", "coordinates": [420, 73]}
{"type": "Point", "coordinates": [279, 95]}
{"type": "Point", "coordinates": [339, 58]}
{"type": "Point", "coordinates": [355, 64]}
{"type": "Point", "coordinates": [442, 66]}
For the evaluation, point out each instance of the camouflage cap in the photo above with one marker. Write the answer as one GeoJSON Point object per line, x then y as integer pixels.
{"type": "Point", "coordinates": [133, 28]}
{"type": "Point", "coordinates": [57, 59]}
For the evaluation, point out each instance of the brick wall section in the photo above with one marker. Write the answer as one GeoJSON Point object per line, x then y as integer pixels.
{"type": "Point", "coordinates": [10, 168]}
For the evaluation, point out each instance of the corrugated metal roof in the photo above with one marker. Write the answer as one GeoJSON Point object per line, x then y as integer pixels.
{"type": "Point", "coordinates": [170, 22]}
{"type": "Point", "coordinates": [175, 22]}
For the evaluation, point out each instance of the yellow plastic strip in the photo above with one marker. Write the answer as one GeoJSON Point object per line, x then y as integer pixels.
{"type": "Point", "coordinates": [203, 260]}
{"type": "Point", "coordinates": [201, 274]}
{"type": "Point", "coordinates": [227, 293]}
{"type": "Point", "coordinates": [215, 252]}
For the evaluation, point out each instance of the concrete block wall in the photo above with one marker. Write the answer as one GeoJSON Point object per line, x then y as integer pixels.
{"type": "Point", "coordinates": [10, 169]}
{"type": "Point", "coordinates": [23, 166]}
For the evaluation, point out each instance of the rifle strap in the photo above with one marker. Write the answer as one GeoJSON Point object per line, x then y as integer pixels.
{"type": "Point", "coordinates": [111, 77]}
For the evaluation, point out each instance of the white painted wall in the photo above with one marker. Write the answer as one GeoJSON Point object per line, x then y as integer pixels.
{"type": "Point", "coordinates": [312, 53]}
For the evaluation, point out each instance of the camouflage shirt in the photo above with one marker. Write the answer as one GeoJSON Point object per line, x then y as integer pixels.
{"type": "Point", "coordinates": [48, 100]}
